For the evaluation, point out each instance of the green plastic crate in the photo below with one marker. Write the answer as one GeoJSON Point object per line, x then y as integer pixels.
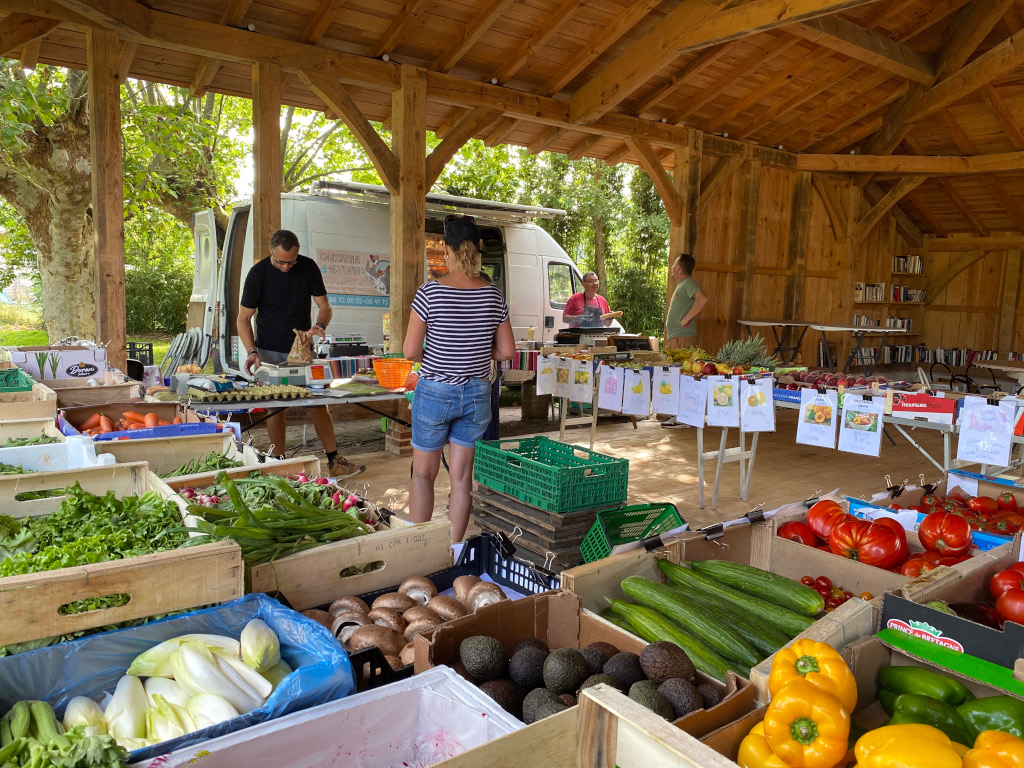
{"type": "Point", "coordinates": [551, 475]}
{"type": "Point", "coordinates": [625, 525]}
{"type": "Point", "coordinates": [15, 380]}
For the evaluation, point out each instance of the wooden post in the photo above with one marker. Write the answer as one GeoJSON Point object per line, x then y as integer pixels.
{"type": "Point", "coordinates": [686, 180]}
{"type": "Point", "coordinates": [852, 199]}
{"type": "Point", "coordinates": [266, 151]}
{"type": "Point", "coordinates": [107, 191]}
{"type": "Point", "coordinates": [1008, 308]}
{"type": "Point", "coordinates": [796, 254]}
{"type": "Point", "coordinates": [408, 203]}
{"type": "Point", "coordinates": [746, 240]}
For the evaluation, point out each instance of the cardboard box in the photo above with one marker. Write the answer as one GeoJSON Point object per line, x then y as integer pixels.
{"type": "Point", "coordinates": [922, 406]}
{"type": "Point", "coordinates": [43, 363]}
{"type": "Point", "coordinates": [76, 392]}
{"type": "Point", "coordinates": [192, 424]}
{"type": "Point", "coordinates": [555, 618]}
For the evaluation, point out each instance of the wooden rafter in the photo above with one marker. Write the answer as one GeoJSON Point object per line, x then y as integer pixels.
{"type": "Point", "coordinates": [725, 168]}
{"type": "Point", "coordinates": [127, 55]}
{"type": "Point", "coordinates": [904, 225]}
{"type": "Point", "coordinates": [870, 220]}
{"type": "Point", "coordinates": [541, 142]}
{"type": "Point", "coordinates": [581, 148]}
{"type": "Point", "coordinates": [1013, 210]}
{"type": "Point", "coordinates": [651, 163]}
{"type": "Point", "coordinates": [854, 96]}
{"type": "Point", "coordinates": [862, 111]}
{"type": "Point", "coordinates": [866, 46]}
{"type": "Point", "coordinates": [456, 138]}
{"type": "Point", "coordinates": [18, 29]}
{"type": "Point", "coordinates": [847, 137]}
{"type": "Point", "coordinates": [126, 17]}
{"type": "Point", "coordinates": [970, 243]}
{"type": "Point", "coordinates": [337, 99]}
{"type": "Point", "coordinates": [30, 53]}
{"type": "Point", "coordinates": [937, 226]}
{"type": "Point", "coordinates": [833, 207]}
{"type": "Point", "coordinates": [682, 30]}
{"type": "Point", "coordinates": [685, 72]}
{"type": "Point", "coordinates": [233, 15]}
{"type": "Point", "coordinates": [318, 23]}
{"type": "Point", "coordinates": [500, 132]}
{"type": "Point", "coordinates": [958, 262]}
{"type": "Point", "coordinates": [959, 202]}
{"type": "Point", "coordinates": [619, 155]}
{"type": "Point", "coordinates": [1004, 116]}
{"type": "Point", "coordinates": [473, 32]}
{"type": "Point", "coordinates": [410, 11]}
{"type": "Point", "coordinates": [927, 165]}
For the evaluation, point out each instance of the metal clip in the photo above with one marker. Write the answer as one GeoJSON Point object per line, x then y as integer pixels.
{"type": "Point", "coordinates": [549, 560]}
{"type": "Point", "coordinates": [811, 500]}
{"type": "Point", "coordinates": [756, 515]}
{"type": "Point", "coordinates": [504, 545]}
{"type": "Point", "coordinates": [713, 532]}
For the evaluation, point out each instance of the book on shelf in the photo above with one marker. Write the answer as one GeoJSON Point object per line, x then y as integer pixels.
{"type": "Point", "coordinates": [863, 321]}
{"type": "Point", "coordinates": [858, 291]}
{"type": "Point", "coordinates": [908, 264]}
{"type": "Point", "coordinates": [900, 353]}
{"type": "Point", "coordinates": [902, 293]}
{"type": "Point", "coordinates": [959, 357]}
{"type": "Point", "coordinates": [869, 292]}
{"type": "Point", "coordinates": [905, 323]}
{"type": "Point", "coordinates": [822, 361]}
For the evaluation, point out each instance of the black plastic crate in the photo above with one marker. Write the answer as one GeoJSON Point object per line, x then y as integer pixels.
{"type": "Point", "coordinates": [372, 669]}
{"type": "Point", "coordinates": [141, 351]}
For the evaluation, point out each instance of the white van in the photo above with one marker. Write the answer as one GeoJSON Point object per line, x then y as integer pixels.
{"type": "Point", "coordinates": [344, 228]}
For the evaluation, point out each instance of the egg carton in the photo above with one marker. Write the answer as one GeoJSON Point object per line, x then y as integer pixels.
{"type": "Point", "coordinates": [260, 392]}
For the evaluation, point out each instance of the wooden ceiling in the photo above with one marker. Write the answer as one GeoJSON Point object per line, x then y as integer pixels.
{"type": "Point", "coordinates": [572, 76]}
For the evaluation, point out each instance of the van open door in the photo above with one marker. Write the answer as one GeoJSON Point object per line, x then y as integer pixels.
{"type": "Point", "coordinates": [201, 309]}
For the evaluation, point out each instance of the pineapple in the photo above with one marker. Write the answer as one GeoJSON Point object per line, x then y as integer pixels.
{"type": "Point", "coordinates": [746, 353]}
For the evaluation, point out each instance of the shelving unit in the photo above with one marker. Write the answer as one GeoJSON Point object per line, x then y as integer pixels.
{"type": "Point", "coordinates": [893, 303]}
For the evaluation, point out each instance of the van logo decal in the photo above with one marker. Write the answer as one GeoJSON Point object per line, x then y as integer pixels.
{"type": "Point", "coordinates": [81, 370]}
{"type": "Point", "coordinates": [925, 631]}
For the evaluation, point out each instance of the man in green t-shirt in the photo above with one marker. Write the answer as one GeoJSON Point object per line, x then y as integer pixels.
{"type": "Point", "coordinates": [687, 302]}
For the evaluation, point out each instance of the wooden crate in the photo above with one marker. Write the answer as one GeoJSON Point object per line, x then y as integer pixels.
{"type": "Point", "coordinates": [40, 403]}
{"type": "Point", "coordinates": [166, 454]}
{"type": "Point", "coordinates": [158, 583]}
{"type": "Point", "coordinates": [313, 578]}
{"type": "Point", "coordinates": [308, 464]}
{"type": "Point", "coordinates": [75, 392]}
{"type": "Point", "coordinates": [605, 729]}
{"type": "Point", "coordinates": [16, 428]}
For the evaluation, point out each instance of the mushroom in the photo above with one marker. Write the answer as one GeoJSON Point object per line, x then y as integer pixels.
{"type": "Point", "coordinates": [320, 617]}
{"type": "Point", "coordinates": [345, 604]}
{"type": "Point", "coordinates": [484, 593]}
{"type": "Point", "coordinates": [419, 612]}
{"type": "Point", "coordinates": [447, 608]}
{"type": "Point", "coordinates": [389, 641]}
{"type": "Point", "coordinates": [347, 623]}
{"type": "Point", "coordinates": [420, 626]}
{"type": "Point", "coordinates": [386, 617]}
{"type": "Point", "coordinates": [408, 654]}
{"type": "Point", "coordinates": [419, 588]}
{"type": "Point", "coordinates": [394, 601]}
{"type": "Point", "coordinates": [462, 585]}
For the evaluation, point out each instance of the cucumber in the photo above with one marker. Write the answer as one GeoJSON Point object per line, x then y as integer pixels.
{"type": "Point", "coordinates": [652, 627]}
{"type": "Point", "coordinates": [768, 586]}
{"type": "Point", "coordinates": [783, 619]}
{"type": "Point", "coordinates": [765, 638]}
{"type": "Point", "coordinates": [691, 617]}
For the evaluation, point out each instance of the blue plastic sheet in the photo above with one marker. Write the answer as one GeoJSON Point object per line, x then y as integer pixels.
{"type": "Point", "coordinates": [91, 665]}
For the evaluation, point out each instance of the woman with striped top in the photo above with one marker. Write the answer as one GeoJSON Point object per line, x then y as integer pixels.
{"type": "Point", "coordinates": [464, 321]}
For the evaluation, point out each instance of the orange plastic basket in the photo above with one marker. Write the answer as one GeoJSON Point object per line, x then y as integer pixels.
{"type": "Point", "coordinates": [392, 372]}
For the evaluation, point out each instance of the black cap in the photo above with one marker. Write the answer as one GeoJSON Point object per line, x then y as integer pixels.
{"type": "Point", "coordinates": [458, 229]}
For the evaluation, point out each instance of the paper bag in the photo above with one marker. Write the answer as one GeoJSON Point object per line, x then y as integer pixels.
{"type": "Point", "coordinates": [302, 348]}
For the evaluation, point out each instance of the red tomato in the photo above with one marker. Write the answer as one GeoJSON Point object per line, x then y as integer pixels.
{"type": "Point", "coordinates": [931, 556]}
{"type": "Point", "coordinates": [1015, 518]}
{"type": "Point", "coordinates": [958, 494]}
{"type": "Point", "coordinates": [823, 548]}
{"type": "Point", "coordinates": [825, 593]}
{"type": "Point", "coordinates": [950, 505]}
{"type": "Point", "coordinates": [894, 506]}
{"type": "Point", "coordinates": [807, 581]}
{"type": "Point", "coordinates": [1007, 501]}
{"type": "Point", "coordinates": [930, 500]}
{"type": "Point", "coordinates": [946, 533]}
{"type": "Point", "coordinates": [901, 533]}
{"type": "Point", "coordinates": [953, 560]}
{"type": "Point", "coordinates": [824, 582]}
{"type": "Point", "coordinates": [915, 566]}
{"type": "Point", "coordinates": [877, 545]}
{"type": "Point", "coordinates": [1010, 605]}
{"type": "Point", "coordinates": [983, 505]}
{"type": "Point", "coordinates": [1018, 567]}
{"type": "Point", "coordinates": [824, 516]}
{"type": "Point", "coordinates": [1004, 580]}
{"type": "Point", "coordinates": [799, 532]}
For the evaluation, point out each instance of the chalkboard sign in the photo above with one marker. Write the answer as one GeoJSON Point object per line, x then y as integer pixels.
{"type": "Point", "coordinates": [632, 343]}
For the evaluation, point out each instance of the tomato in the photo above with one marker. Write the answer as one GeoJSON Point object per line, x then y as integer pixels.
{"type": "Point", "coordinates": [825, 593]}
{"type": "Point", "coordinates": [807, 581]}
{"type": "Point", "coordinates": [872, 544]}
{"type": "Point", "coordinates": [866, 596]}
{"type": "Point", "coordinates": [799, 532]}
{"type": "Point", "coordinates": [824, 582]}
{"type": "Point", "coordinates": [831, 604]}
{"type": "Point", "coordinates": [930, 500]}
{"type": "Point", "coordinates": [1004, 580]}
{"type": "Point", "coordinates": [947, 534]}
{"type": "Point", "coordinates": [848, 594]}
{"type": "Point", "coordinates": [1015, 519]}
{"type": "Point", "coordinates": [931, 556]}
{"type": "Point", "coordinates": [894, 506]}
{"type": "Point", "coordinates": [1007, 501]}
{"type": "Point", "coordinates": [915, 566]}
{"type": "Point", "coordinates": [836, 592]}
{"type": "Point", "coordinates": [1010, 605]}
{"type": "Point", "coordinates": [1003, 528]}
{"type": "Point", "coordinates": [901, 533]}
{"type": "Point", "coordinates": [1018, 567]}
{"type": "Point", "coordinates": [824, 516]}
{"type": "Point", "coordinates": [950, 505]}
{"type": "Point", "coordinates": [983, 505]}
{"type": "Point", "coordinates": [953, 560]}
{"type": "Point", "coordinates": [958, 494]}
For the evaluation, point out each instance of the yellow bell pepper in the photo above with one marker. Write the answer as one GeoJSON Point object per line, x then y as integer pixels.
{"type": "Point", "coordinates": [755, 751]}
{"type": "Point", "coordinates": [995, 749]}
{"type": "Point", "coordinates": [807, 727]}
{"type": "Point", "coordinates": [817, 663]}
{"type": "Point", "coordinates": [906, 746]}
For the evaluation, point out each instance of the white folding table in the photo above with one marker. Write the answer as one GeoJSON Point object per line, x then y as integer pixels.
{"type": "Point", "coordinates": [781, 330]}
{"type": "Point", "coordinates": [859, 332]}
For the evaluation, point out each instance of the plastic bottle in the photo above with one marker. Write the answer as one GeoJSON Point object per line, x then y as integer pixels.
{"type": "Point", "coordinates": [530, 333]}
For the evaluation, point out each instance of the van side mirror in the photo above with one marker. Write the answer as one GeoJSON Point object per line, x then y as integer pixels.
{"type": "Point", "coordinates": [549, 321]}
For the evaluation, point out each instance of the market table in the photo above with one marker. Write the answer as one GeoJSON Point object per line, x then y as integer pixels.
{"type": "Point", "coordinates": [1014, 368]}
{"type": "Point", "coordinates": [787, 327]}
{"type": "Point", "coordinates": [859, 332]}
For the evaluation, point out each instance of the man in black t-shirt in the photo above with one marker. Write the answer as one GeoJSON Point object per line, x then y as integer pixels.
{"type": "Point", "coordinates": [280, 288]}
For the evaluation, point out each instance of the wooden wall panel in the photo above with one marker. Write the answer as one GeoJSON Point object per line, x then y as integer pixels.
{"type": "Point", "coordinates": [977, 290]}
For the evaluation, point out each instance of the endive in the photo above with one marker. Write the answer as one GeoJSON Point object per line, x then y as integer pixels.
{"type": "Point", "coordinates": [125, 715]}
{"type": "Point", "coordinates": [277, 673]}
{"type": "Point", "coordinates": [260, 646]}
{"type": "Point", "coordinates": [198, 672]}
{"type": "Point", "coordinates": [82, 710]}
{"type": "Point", "coordinates": [169, 689]}
{"type": "Point", "coordinates": [209, 709]}
{"type": "Point", "coordinates": [250, 680]}
{"type": "Point", "coordinates": [163, 722]}
{"type": "Point", "coordinates": [158, 661]}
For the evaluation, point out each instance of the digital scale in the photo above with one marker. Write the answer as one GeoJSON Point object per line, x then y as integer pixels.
{"type": "Point", "coordinates": [313, 375]}
{"type": "Point", "coordinates": [342, 346]}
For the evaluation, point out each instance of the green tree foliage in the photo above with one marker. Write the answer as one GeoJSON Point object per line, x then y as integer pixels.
{"type": "Point", "coordinates": [158, 273]}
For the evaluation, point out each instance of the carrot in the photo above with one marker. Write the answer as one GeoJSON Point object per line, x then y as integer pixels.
{"type": "Point", "coordinates": [176, 420]}
{"type": "Point", "coordinates": [133, 416]}
{"type": "Point", "coordinates": [106, 425]}
{"type": "Point", "coordinates": [164, 423]}
{"type": "Point", "coordinates": [91, 423]}
{"type": "Point", "coordinates": [136, 425]}
{"type": "Point", "coordinates": [152, 420]}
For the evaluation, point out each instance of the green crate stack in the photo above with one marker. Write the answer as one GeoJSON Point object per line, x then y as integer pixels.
{"type": "Point", "coordinates": [626, 525]}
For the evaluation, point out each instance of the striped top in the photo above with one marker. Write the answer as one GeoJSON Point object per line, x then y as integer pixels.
{"type": "Point", "coordinates": [460, 330]}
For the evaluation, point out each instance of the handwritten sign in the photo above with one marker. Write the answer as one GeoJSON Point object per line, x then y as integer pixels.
{"type": "Point", "coordinates": [546, 374]}
{"type": "Point", "coordinates": [757, 409]}
{"type": "Point", "coordinates": [636, 392]}
{"type": "Point", "coordinates": [693, 395]}
{"type": "Point", "coordinates": [609, 394]}
{"type": "Point", "coordinates": [723, 401]}
{"type": "Point", "coordinates": [581, 381]}
{"type": "Point", "coordinates": [816, 422]}
{"type": "Point", "coordinates": [860, 426]}
{"type": "Point", "coordinates": [562, 377]}
{"type": "Point", "coordinates": [986, 434]}
{"type": "Point", "coordinates": [665, 391]}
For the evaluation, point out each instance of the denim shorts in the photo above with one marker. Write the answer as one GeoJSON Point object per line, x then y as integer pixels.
{"type": "Point", "coordinates": [455, 413]}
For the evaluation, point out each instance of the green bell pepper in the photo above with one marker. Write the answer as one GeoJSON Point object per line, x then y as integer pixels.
{"type": "Point", "coordinates": [994, 713]}
{"type": "Point", "coordinates": [925, 682]}
{"type": "Point", "coordinates": [888, 700]}
{"type": "Point", "coordinates": [926, 710]}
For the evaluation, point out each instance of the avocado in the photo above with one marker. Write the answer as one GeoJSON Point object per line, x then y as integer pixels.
{"type": "Point", "coordinates": [484, 658]}
{"type": "Point", "coordinates": [602, 678]}
{"type": "Point", "coordinates": [531, 642]}
{"type": "Point", "coordinates": [564, 670]}
{"type": "Point", "coordinates": [624, 667]}
{"type": "Point", "coordinates": [646, 692]}
{"type": "Point", "coordinates": [607, 649]}
{"type": "Point", "coordinates": [682, 695]}
{"type": "Point", "coordinates": [508, 695]}
{"type": "Point", "coordinates": [460, 669]}
{"type": "Point", "coordinates": [527, 667]}
{"type": "Point", "coordinates": [711, 694]}
{"type": "Point", "coordinates": [540, 703]}
{"type": "Point", "coordinates": [663, 660]}
{"type": "Point", "coordinates": [595, 659]}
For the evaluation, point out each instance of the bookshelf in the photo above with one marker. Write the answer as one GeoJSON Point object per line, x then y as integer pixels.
{"type": "Point", "coordinates": [893, 303]}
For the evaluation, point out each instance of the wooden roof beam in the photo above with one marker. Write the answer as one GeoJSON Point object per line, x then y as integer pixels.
{"type": "Point", "coordinates": [693, 25]}
{"type": "Point", "coordinates": [126, 17]}
{"type": "Point", "coordinates": [866, 46]}
{"type": "Point", "coordinates": [914, 201]}
{"type": "Point", "coordinates": [318, 23]}
{"type": "Point", "coordinates": [1004, 116]}
{"type": "Point", "coordinates": [904, 225]}
{"type": "Point", "coordinates": [870, 220]}
{"type": "Point", "coordinates": [854, 96]}
{"type": "Point", "coordinates": [989, 243]}
{"type": "Point", "coordinates": [233, 15]}
{"type": "Point", "coordinates": [618, 155]}
{"type": "Point", "coordinates": [651, 163]}
{"type": "Point", "coordinates": [976, 224]}
{"type": "Point", "coordinates": [473, 32]}
{"type": "Point", "coordinates": [927, 165]}
{"type": "Point", "coordinates": [409, 12]}
{"type": "Point", "coordinates": [578, 151]}
{"type": "Point", "coordinates": [688, 70]}
{"type": "Point", "coordinates": [30, 53]}
{"type": "Point", "coordinates": [850, 136]}
{"type": "Point", "coordinates": [466, 129]}
{"type": "Point", "coordinates": [541, 142]}
{"type": "Point", "coordinates": [19, 29]}
{"type": "Point", "coordinates": [124, 60]}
